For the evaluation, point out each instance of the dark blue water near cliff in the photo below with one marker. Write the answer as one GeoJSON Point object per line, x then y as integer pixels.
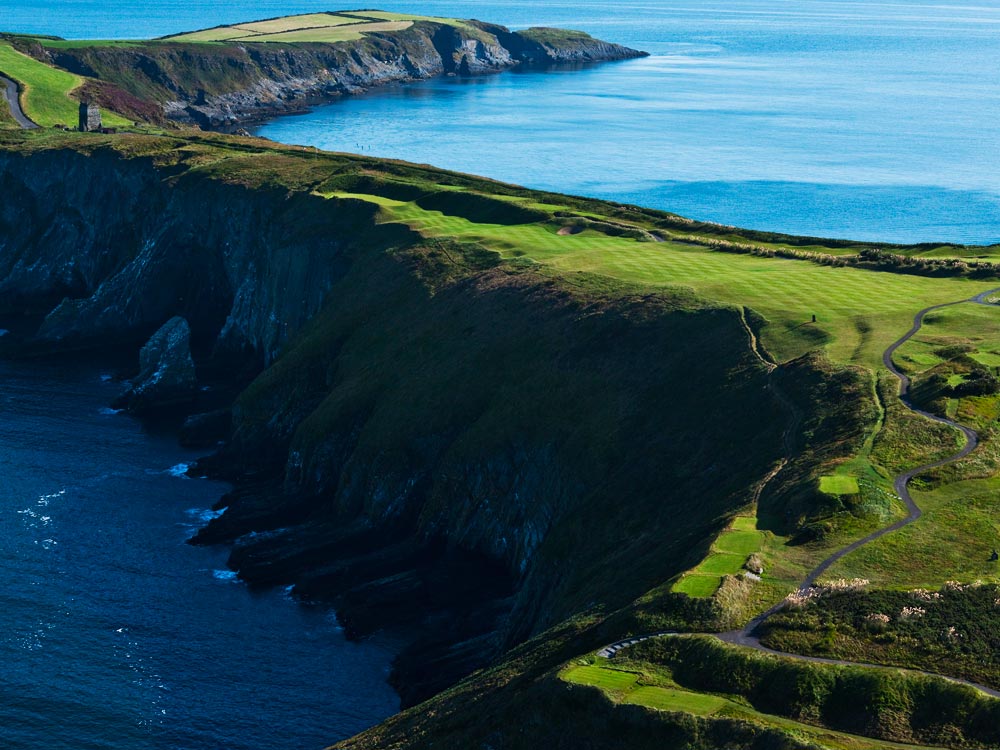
{"type": "Point", "coordinates": [824, 117]}
{"type": "Point", "coordinates": [114, 634]}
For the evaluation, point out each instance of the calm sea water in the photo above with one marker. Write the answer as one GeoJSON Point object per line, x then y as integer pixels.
{"type": "Point", "coordinates": [874, 120]}
{"type": "Point", "coordinates": [114, 634]}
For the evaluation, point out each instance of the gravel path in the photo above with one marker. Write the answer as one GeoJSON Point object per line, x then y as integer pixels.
{"type": "Point", "coordinates": [746, 637]}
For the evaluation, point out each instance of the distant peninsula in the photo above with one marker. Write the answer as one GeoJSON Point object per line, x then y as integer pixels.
{"type": "Point", "coordinates": [227, 76]}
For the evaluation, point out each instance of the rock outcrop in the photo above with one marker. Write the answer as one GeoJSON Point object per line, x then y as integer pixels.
{"type": "Point", "coordinates": [166, 378]}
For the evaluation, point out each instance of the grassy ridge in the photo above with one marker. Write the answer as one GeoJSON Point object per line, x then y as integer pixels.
{"type": "Point", "coordinates": [858, 312]}
{"type": "Point", "coordinates": [643, 685]}
{"type": "Point", "coordinates": [888, 705]}
{"type": "Point", "coordinates": [47, 96]}
{"type": "Point", "coordinates": [948, 631]}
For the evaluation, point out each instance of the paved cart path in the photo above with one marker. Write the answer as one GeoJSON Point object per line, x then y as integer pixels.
{"type": "Point", "coordinates": [746, 636]}
{"type": "Point", "coordinates": [10, 91]}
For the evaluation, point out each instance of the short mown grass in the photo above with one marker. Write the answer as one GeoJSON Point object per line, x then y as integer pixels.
{"type": "Point", "coordinates": [654, 689]}
{"type": "Point", "coordinates": [839, 485]}
{"type": "Point", "coordinates": [728, 556]}
{"type": "Point", "coordinates": [859, 312]}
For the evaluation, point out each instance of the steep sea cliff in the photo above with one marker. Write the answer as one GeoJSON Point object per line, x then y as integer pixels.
{"type": "Point", "coordinates": [222, 85]}
{"type": "Point", "coordinates": [423, 434]}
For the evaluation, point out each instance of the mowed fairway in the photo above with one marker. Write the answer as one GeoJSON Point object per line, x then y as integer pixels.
{"type": "Point", "coordinates": [859, 312]}
{"type": "Point", "coordinates": [659, 693]}
{"type": "Point", "coordinates": [729, 553]}
{"type": "Point", "coordinates": [46, 90]}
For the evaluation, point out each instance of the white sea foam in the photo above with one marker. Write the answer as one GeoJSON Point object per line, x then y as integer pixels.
{"type": "Point", "coordinates": [179, 470]}
{"type": "Point", "coordinates": [106, 377]}
{"type": "Point", "coordinates": [108, 411]}
{"type": "Point", "coordinates": [204, 515]}
{"type": "Point", "coordinates": [225, 575]}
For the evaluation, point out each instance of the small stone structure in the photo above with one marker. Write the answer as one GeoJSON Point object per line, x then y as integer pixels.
{"type": "Point", "coordinates": [90, 117]}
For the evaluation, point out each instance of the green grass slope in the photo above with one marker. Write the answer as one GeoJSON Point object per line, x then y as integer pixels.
{"type": "Point", "coordinates": [48, 93]}
{"type": "Point", "coordinates": [644, 685]}
{"type": "Point", "coordinates": [884, 704]}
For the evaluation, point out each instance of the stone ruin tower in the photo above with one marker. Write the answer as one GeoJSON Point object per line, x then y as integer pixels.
{"type": "Point", "coordinates": [90, 117]}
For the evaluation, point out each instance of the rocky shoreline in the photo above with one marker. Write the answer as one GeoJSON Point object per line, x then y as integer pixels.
{"type": "Point", "coordinates": [223, 87]}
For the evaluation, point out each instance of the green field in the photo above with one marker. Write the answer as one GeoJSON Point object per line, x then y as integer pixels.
{"type": "Point", "coordinates": [658, 692]}
{"type": "Point", "coordinates": [293, 23]}
{"type": "Point", "coordinates": [46, 96]}
{"type": "Point", "coordinates": [321, 28]}
{"type": "Point", "coordinates": [46, 90]}
{"type": "Point", "coordinates": [698, 585]}
{"type": "Point", "coordinates": [329, 35]}
{"type": "Point", "coordinates": [730, 551]}
{"type": "Point", "coordinates": [839, 485]}
{"type": "Point", "coordinates": [859, 312]}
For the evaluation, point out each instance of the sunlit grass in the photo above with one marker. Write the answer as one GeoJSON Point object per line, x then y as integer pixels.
{"type": "Point", "coordinates": [859, 312]}
{"type": "Point", "coordinates": [46, 90]}
{"type": "Point", "coordinates": [320, 28]}
{"type": "Point", "coordinates": [653, 690]}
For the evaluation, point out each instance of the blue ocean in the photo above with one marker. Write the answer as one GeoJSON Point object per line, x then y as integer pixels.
{"type": "Point", "coordinates": [835, 118]}
{"type": "Point", "coordinates": [114, 633]}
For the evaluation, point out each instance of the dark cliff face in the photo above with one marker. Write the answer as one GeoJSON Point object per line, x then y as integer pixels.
{"type": "Point", "coordinates": [222, 85]}
{"type": "Point", "coordinates": [434, 438]}
{"type": "Point", "coordinates": [119, 252]}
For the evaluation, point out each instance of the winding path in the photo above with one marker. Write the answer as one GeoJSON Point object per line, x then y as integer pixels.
{"type": "Point", "coordinates": [746, 636]}
{"type": "Point", "coordinates": [10, 91]}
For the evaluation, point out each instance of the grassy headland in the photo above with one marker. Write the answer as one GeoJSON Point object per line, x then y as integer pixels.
{"type": "Point", "coordinates": [221, 76]}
